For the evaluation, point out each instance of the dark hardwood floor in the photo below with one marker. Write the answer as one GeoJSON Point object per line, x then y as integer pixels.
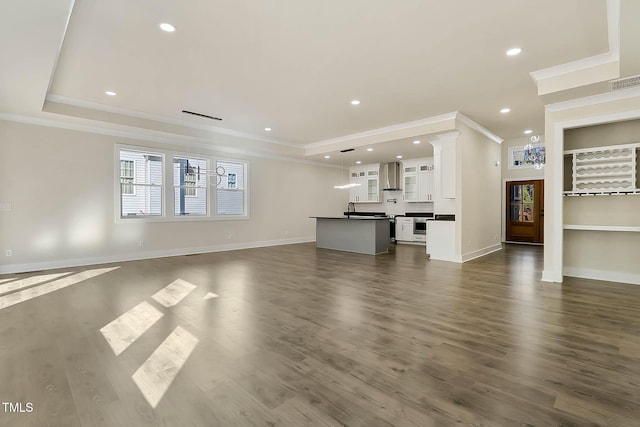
{"type": "Point", "coordinates": [299, 336]}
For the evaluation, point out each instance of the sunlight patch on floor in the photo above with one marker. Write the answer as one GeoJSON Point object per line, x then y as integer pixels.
{"type": "Point", "coordinates": [157, 373]}
{"type": "Point", "coordinates": [210, 295]}
{"type": "Point", "coordinates": [173, 293]}
{"type": "Point", "coordinates": [37, 291]}
{"type": "Point", "coordinates": [29, 281]}
{"type": "Point", "coordinates": [126, 329]}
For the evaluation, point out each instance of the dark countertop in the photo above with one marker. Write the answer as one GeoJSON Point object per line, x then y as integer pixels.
{"type": "Point", "coordinates": [381, 214]}
{"type": "Point", "coordinates": [367, 218]}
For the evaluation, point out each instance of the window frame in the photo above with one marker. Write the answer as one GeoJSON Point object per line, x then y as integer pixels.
{"type": "Point", "coordinates": [118, 195]}
{"type": "Point", "coordinates": [168, 202]}
{"type": "Point", "coordinates": [516, 151]}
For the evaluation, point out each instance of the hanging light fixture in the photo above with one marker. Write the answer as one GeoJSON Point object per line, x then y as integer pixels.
{"type": "Point", "coordinates": [348, 184]}
{"type": "Point", "coordinates": [534, 154]}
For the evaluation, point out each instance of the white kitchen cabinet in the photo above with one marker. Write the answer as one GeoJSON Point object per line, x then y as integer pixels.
{"type": "Point", "coordinates": [410, 180]}
{"type": "Point", "coordinates": [418, 180]}
{"type": "Point", "coordinates": [373, 184]}
{"type": "Point", "coordinates": [404, 229]}
{"type": "Point", "coordinates": [368, 178]}
{"type": "Point", "coordinates": [425, 180]}
{"type": "Point", "coordinates": [357, 176]}
{"type": "Point", "coordinates": [441, 244]}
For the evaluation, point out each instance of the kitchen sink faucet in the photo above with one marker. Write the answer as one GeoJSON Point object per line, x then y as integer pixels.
{"type": "Point", "coordinates": [350, 206]}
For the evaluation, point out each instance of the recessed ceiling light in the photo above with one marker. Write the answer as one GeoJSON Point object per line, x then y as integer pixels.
{"type": "Point", "coordinates": [358, 162]}
{"type": "Point", "coordinates": [416, 142]}
{"type": "Point", "coordinates": [327, 157]}
{"type": "Point", "coordinates": [267, 129]}
{"type": "Point", "coordinates": [514, 51]}
{"type": "Point", "coordinates": [505, 110]}
{"type": "Point", "coordinates": [110, 93]}
{"type": "Point", "coordinates": [355, 102]}
{"type": "Point", "coordinates": [528, 131]}
{"type": "Point", "coordinates": [167, 27]}
{"type": "Point", "coordinates": [398, 157]}
{"type": "Point", "coordinates": [369, 149]}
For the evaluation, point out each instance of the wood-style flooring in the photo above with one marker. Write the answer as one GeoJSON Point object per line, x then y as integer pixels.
{"type": "Point", "coordinates": [299, 336]}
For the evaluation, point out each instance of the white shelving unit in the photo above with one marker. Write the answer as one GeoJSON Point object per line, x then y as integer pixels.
{"type": "Point", "coordinates": [584, 227]}
{"type": "Point", "coordinates": [604, 170]}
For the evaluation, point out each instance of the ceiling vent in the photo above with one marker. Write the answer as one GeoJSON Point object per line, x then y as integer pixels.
{"type": "Point", "coordinates": [193, 113]}
{"type": "Point", "coordinates": [626, 83]}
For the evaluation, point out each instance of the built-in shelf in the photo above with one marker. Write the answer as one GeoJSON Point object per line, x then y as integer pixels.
{"type": "Point", "coordinates": [602, 170]}
{"type": "Point", "coordinates": [623, 228]}
{"type": "Point", "coordinates": [601, 193]}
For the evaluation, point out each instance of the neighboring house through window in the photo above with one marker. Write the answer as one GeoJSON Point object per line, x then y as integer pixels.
{"type": "Point", "coordinates": [204, 187]}
{"type": "Point", "coordinates": [190, 186]}
{"type": "Point", "coordinates": [190, 181]}
{"type": "Point", "coordinates": [141, 176]}
{"type": "Point", "coordinates": [126, 177]}
{"type": "Point", "coordinates": [230, 193]}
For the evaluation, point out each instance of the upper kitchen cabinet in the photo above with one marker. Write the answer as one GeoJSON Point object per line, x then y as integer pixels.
{"type": "Point", "coordinates": [425, 180]}
{"type": "Point", "coordinates": [410, 187]}
{"type": "Point", "coordinates": [418, 180]}
{"type": "Point", "coordinates": [368, 179]}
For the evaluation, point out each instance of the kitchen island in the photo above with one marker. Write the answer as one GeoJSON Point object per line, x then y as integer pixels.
{"type": "Point", "coordinates": [363, 235]}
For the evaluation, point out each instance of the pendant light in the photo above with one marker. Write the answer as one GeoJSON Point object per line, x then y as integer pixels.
{"type": "Point", "coordinates": [534, 154]}
{"type": "Point", "coordinates": [348, 184]}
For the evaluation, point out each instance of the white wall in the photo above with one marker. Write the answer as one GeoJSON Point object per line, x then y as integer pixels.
{"type": "Point", "coordinates": [61, 187]}
{"type": "Point", "coordinates": [520, 173]}
{"type": "Point", "coordinates": [480, 194]}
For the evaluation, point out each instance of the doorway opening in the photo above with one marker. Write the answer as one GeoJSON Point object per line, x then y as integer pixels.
{"type": "Point", "coordinates": [525, 211]}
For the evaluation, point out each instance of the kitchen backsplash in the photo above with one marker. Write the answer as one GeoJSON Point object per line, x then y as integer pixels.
{"type": "Point", "coordinates": [391, 208]}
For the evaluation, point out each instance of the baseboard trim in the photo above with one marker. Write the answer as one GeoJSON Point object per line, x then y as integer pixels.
{"type": "Point", "coordinates": [481, 252]}
{"type": "Point", "coordinates": [135, 256]}
{"type": "Point", "coordinates": [551, 276]}
{"type": "Point", "coordinates": [607, 276]}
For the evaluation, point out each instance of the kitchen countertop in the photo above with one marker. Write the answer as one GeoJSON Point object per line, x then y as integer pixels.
{"type": "Point", "coordinates": [354, 217]}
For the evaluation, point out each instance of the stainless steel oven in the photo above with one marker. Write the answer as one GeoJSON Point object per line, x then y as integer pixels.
{"type": "Point", "coordinates": [420, 229]}
{"type": "Point", "coordinates": [419, 226]}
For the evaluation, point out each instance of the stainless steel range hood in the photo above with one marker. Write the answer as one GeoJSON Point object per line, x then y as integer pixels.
{"type": "Point", "coordinates": [391, 176]}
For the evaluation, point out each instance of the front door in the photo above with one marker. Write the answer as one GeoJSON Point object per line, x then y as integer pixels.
{"type": "Point", "coordinates": [525, 211]}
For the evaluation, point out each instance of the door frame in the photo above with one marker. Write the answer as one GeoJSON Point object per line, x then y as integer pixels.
{"type": "Point", "coordinates": [503, 192]}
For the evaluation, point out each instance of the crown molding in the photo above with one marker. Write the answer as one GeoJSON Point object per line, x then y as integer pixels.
{"type": "Point", "coordinates": [161, 119]}
{"type": "Point", "coordinates": [59, 51]}
{"type": "Point", "coordinates": [587, 101]}
{"type": "Point", "coordinates": [477, 127]}
{"type": "Point", "coordinates": [572, 67]}
{"type": "Point", "coordinates": [383, 130]}
{"type": "Point", "coordinates": [156, 137]}
{"type": "Point", "coordinates": [612, 55]}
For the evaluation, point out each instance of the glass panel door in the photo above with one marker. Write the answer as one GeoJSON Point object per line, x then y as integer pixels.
{"type": "Point", "coordinates": [411, 187]}
{"type": "Point", "coordinates": [521, 201]}
{"type": "Point", "coordinates": [372, 189]}
{"type": "Point", "coordinates": [524, 211]}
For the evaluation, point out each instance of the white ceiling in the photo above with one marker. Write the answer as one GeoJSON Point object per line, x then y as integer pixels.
{"type": "Point", "coordinates": [294, 65]}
